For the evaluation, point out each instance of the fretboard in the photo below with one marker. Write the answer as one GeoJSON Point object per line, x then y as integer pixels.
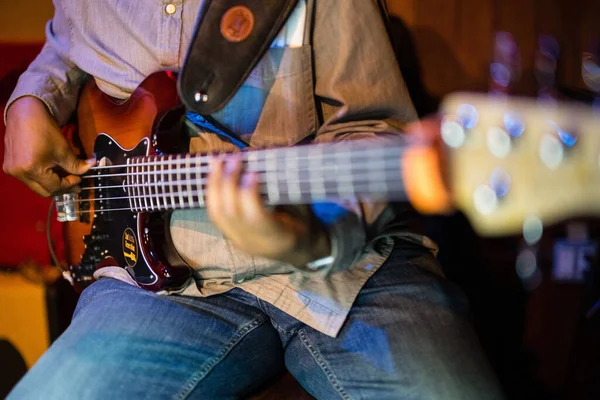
{"type": "Point", "coordinates": [293, 175]}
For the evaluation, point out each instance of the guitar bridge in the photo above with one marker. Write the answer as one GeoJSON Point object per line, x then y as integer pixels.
{"type": "Point", "coordinates": [66, 207]}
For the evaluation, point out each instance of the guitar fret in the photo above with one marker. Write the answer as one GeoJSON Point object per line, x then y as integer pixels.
{"type": "Point", "coordinates": [292, 175]}
{"type": "Point", "coordinates": [271, 177]}
{"type": "Point", "coordinates": [133, 187]}
{"type": "Point", "coordinates": [316, 173]}
{"type": "Point", "coordinates": [377, 167]}
{"type": "Point", "coordinates": [128, 184]}
{"type": "Point", "coordinates": [253, 164]}
{"type": "Point", "coordinates": [163, 183]}
{"type": "Point", "coordinates": [172, 196]}
{"type": "Point", "coordinates": [198, 183]}
{"type": "Point", "coordinates": [149, 179]}
{"type": "Point", "coordinates": [143, 185]}
{"type": "Point", "coordinates": [156, 187]}
{"type": "Point", "coordinates": [151, 192]}
{"type": "Point", "coordinates": [188, 175]}
{"type": "Point", "coordinates": [179, 186]}
{"type": "Point", "coordinates": [345, 186]}
{"type": "Point", "coordinates": [136, 188]}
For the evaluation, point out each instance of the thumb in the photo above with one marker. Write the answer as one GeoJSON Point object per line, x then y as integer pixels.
{"type": "Point", "coordinates": [73, 164]}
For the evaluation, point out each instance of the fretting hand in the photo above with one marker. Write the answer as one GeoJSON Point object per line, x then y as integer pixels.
{"type": "Point", "coordinates": [235, 206]}
{"type": "Point", "coordinates": [36, 150]}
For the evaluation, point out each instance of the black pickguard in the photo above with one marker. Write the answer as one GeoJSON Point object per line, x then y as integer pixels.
{"type": "Point", "coordinates": [115, 231]}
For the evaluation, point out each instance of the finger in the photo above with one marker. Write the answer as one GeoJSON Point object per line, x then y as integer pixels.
{"type": "Point", "coordinates": [213, 187]}
{"type": "Point", "coordinates": [426, 129]}
{"type": "Point", "coordinates": [69, 182]}
{"type": "Point", "coordinates": [230, 187]}
{"type": "Point", "coordinates": [68, 161]}
{"type": "Point", "coordinates": [252, 205]}
{"type": "Point", "coordinates": [36, 187]}
{"type": "Point", "coordinates": [53, 183]}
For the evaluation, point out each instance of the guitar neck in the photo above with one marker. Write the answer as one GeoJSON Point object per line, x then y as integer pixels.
{"type": "Point", "coordinates": [295, 175]}
{"type": "Point", "coordinates": [502, 161]}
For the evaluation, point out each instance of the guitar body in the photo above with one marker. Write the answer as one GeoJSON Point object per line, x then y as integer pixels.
{"type": "Point", "coordinates": [112, 132]}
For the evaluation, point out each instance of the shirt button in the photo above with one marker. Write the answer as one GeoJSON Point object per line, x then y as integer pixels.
{"type": "Point", "coordinates": [170, 9]}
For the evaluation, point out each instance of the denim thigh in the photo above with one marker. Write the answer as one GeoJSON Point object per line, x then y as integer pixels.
{"type": "Point", "coordinates": [125, 342]}
{"type": "Point", "coordinates": [408, 336]}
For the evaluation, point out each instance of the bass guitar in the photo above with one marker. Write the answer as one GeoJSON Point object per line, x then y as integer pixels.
{"type": "Point", "coordinates": [506, 163]}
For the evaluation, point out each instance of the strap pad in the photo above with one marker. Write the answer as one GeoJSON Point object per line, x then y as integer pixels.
{"type": "Point", "coordinates": [231, 37]}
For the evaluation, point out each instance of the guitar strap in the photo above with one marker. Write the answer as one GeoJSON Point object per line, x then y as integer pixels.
{"type": "Point", "coordinates": [231, 36]}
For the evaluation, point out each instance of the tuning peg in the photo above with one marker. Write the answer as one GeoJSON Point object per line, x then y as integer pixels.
{"type": "Point", "coordinates": [527, 260]}
{"type": "Point", "coordinates": [527, 268]}
{"type": "Point", "coordinates": [457, 125]}
{"type": "Point", "coordinates": [556, 144]}
{"type": "Point", "coordinates": [505, 69]}
{"type": "Point", "coordinates": [546, 66]}
{"type": "Point", "coordinates": [590, 67]}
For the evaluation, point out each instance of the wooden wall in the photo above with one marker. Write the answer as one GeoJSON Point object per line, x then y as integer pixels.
{"type": "Point", "coordinates": [454, 38]}
{"type": "Point", "coordinates": [24, 21]}
{"type": "Point", "coordinates": [537, 341]}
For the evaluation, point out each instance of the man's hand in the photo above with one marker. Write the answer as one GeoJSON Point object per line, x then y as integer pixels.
{"type": "Point", "coordinates": [36, 150]}
{"type": "Point", "coordinates": [235, 206]}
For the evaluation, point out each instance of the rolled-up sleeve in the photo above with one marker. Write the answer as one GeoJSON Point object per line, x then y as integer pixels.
{"type": "Point", "coordinates": [360, 94]}
{"type": "Point", "coordinates": [52, 77]}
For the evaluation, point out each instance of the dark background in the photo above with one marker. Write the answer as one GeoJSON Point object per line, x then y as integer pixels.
{"type": "Point", "coordinates": [539, 341]}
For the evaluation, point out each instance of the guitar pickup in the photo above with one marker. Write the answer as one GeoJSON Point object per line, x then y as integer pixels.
{"type": "Point", "coordinates": [66, 207]}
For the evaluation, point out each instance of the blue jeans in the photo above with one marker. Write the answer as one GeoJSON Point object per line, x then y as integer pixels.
{"type": "Point", "coordinates": [407, 337]}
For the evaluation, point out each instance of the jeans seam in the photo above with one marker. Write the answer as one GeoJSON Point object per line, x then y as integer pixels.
{"type": "Point", "coordinates": [80, 309]}
{"type": "Point", "coordinates": [282, 330]}
{"type": "Point", "coordinates": [323, 365]}
{"type": "Point", "coordinates": [199, 375]}
{"type": "Point", "coordinates": [273, 322]}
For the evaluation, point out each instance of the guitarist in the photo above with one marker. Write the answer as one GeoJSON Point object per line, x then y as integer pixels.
{"type": "Point", "coordinates": [350, 312]}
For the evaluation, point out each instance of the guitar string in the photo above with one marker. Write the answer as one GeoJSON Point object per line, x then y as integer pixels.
{"type": "Point", "coordinates": [249, 167]}
{"type": "Point", "coordinates": [202, 170]}
{"type": "Point", "coordinates": [340, 180]}
{"type": "Point", "coordinates": [381, 152]}
{"type": "Point", "coordinates": [337, 148]}
{"type": "Point", "coordinates": [392, 194]}
{"type": "Point", "coordinates": [251, 161]}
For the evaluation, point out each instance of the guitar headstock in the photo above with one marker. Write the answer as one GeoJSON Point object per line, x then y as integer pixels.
{"type": "Point", "coordinates": [516, 161]}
